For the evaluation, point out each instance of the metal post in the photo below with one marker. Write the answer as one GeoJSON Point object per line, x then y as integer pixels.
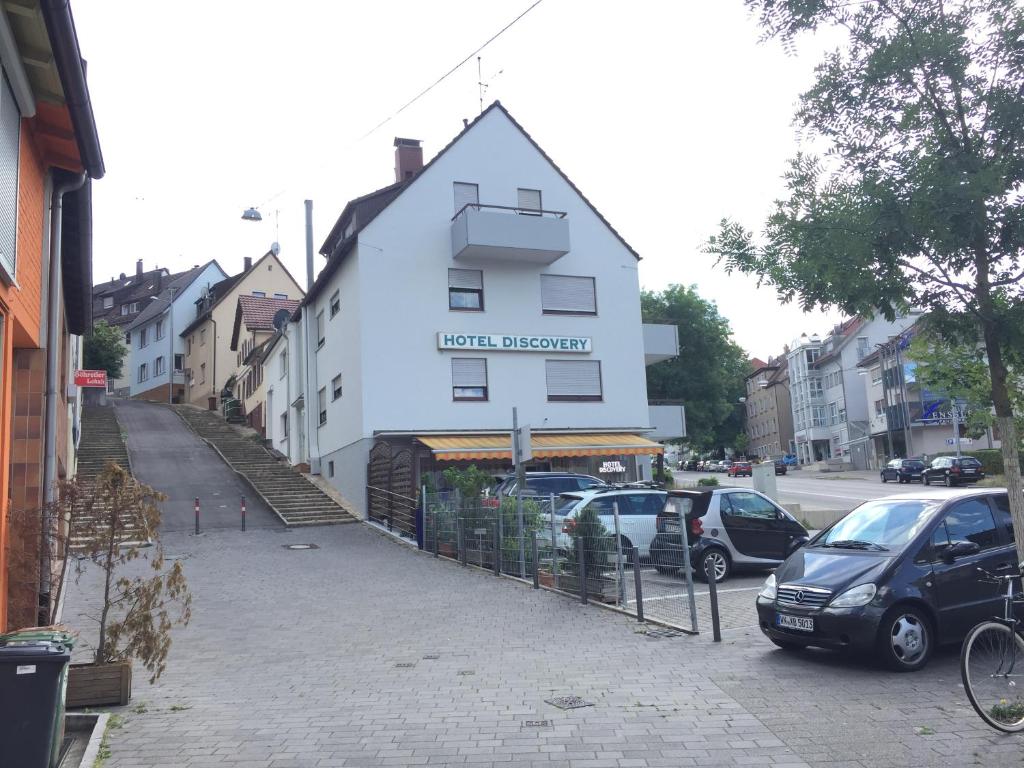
{"type": "Point", "coordinates": [684, 537]}
{"type": "Point", "coordinates": [516, 453]}
{"type": "Point", "coordinates": [197, 515]}
{"type": "Point", "coordinates": [638, 583]}
{"type": "Point", "coordinates": [426, 513]}
{"type": "Point", "coordinates": [581, 568]}
{"type": "Point", "coordinates": [497, 544]}
{"type": "Point", "coordinates": [461, 533]}
{"type": "Point", "coordinates": [618, 554]}
{"type": "Point", "coordinates": [956, 425]}
{"type": "Point", "coordinates": [243, 513]}
{"type": "Point", "coordinates": [716, 629]}
{"type": "Point", "coordinates": [536, 572]}
{"type": "Point", "coordinates": [554, 543]}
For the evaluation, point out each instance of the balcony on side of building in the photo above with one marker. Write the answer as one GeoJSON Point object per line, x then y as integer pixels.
{"type": "Point", "coordinates": [667, 419]}
{"type": "Point", "coordinates": [483, 233]}
{"type": "Point", "coordinates": [661, 342]}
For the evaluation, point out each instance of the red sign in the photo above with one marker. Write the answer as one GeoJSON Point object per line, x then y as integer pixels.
{"type": "Point", "coordinates": [91, 379]}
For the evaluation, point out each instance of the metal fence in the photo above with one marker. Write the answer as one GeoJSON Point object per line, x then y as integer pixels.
{"type": "Point", "coordinates": [624, 561]}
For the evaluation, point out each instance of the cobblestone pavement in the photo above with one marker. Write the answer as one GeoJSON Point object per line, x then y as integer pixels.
{"type": "Point", "coordinates": [364, 652]}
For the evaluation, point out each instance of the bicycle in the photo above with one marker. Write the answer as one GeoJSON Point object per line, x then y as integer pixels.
{"type": "Point", "coordinates": [992, 659]}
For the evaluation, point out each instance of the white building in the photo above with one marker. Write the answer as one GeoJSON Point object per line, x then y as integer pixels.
{"type": "Point", "coordinates": [831, 419]}
{"type": "Point", "coordinates": [480, 282]}
{"type": "Point", "coordinates": [154, 343]}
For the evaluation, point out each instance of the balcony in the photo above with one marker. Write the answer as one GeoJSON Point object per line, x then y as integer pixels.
{"type": "Point", "coordinates": [488, 233]}
{"type": "Point", "coordinates": [661, 342]}
{"type": "Point", "coordinates": [667, 420]}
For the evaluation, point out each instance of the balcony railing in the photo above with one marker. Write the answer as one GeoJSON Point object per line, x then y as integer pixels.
{"type": "Point", "coordinates": [504, 233]}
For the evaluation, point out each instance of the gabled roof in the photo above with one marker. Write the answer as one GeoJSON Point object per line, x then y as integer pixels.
{"type": "Point", "coordinates": [159, 305]}
{"type": "Point", "coordinates": [366, 208]}
{"type": "Point", "coordinates": [257, 312]}
{"type": "Point", "coordinates": [840, 336]}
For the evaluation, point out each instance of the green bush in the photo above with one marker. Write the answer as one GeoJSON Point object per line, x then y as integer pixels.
{"type": "Point", "coordinates": [594, 538]}
{"type": "Point", "coordinates": [708, 481]}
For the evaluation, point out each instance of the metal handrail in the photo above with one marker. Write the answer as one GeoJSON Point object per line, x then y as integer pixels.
{"type": "Point", "coordinates": [517, 209]}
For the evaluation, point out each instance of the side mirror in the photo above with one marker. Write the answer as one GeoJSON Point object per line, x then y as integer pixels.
{"type": "Point", "coordinates": [960, 549]}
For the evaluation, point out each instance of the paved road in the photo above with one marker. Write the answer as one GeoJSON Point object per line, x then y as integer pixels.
{"type": "Point", "coordinates": [364, 652]}
{"type": "Point", "coordinates": [168, 456]}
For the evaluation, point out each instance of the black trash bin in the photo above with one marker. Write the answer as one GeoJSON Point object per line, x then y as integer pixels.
{"type": "Point", "coordinates": [31, 682]}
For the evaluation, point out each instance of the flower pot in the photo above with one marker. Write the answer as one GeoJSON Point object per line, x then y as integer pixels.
{"type": "Point", "coordinates": [600, 588]}
{"type": "Point", "coordinates": [94, 685]}
{"type": "Point", "coordinates": [445, 549]}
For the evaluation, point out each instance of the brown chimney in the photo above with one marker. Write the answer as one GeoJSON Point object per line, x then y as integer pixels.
{"type": "Point", "coordinates": [408, 158]}
{"type": "Point", "coordinates": [138, 267]}
{"type": "Point", "coordinates": [247, 262]}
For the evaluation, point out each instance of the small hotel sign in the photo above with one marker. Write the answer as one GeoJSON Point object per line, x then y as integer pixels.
{"type": "Point", "coordinates": [511, 343]}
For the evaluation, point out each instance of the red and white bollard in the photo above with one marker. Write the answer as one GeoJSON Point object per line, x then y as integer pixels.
{"type": "Point", "coordinates": [197, 515]}
{"type": "Point", "coordinates": [243, 513]}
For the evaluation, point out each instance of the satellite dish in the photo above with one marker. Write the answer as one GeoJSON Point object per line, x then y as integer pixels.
{"type": "Point", "coordinates": [275, 248]}
{"type": "Point", "coordinates": [281, 318]}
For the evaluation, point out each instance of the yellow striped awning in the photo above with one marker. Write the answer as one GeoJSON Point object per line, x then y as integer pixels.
{"type": "Point", "coordinates": [481, 447]}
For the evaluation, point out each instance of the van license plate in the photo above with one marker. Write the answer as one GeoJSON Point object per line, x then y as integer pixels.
{"type": "Point", "coordinates": [794, 622]}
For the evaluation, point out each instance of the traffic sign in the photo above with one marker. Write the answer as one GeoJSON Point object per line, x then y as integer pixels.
{"type": "Point", "coordinates": [91, 379]}
{"type": "Point", "coordinates": [523, 439]}
{"type": "Point", "coordinates": [963, 441]}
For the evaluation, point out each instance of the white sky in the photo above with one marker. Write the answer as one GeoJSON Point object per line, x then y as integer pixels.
{"type": "Point", "coordinates": [667, 114]}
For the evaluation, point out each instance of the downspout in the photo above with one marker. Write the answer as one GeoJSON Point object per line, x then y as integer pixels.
{"type": "Point", "coordinates": [52, 366]}
{"type": "Point", "coordinates": [216, 398]}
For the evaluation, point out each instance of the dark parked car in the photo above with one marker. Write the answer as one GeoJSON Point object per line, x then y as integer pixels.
{"type": "Point", "coordinates": [896, 577]}
{"type": "Point", "coordinates": [780, 467]}
{"type": "Point", "coordinates": [741, 469]}
{"type": "Point", "coordinates": [902, 470]}
{"type": "Point", "coordinates": [951, 471]}
{"type": "Point", "coordinates": [691, 466]}
{"type": "Point", "coordinates": [546, 484]}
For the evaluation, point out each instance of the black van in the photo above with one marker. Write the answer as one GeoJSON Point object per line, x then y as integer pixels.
{"type": "Point", "coordinates": [897, 576]}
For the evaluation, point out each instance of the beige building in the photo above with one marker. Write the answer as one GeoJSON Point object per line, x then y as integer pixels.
{"type": "Point", "coordinates": [769, 414]}
{"type": "Point", "coordinates": [209, 358]}
{"type": "Point", "coordinates": [257, 321]}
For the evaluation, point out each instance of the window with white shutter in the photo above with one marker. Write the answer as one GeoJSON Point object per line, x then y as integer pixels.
{"type": "Point", "coordinates": [10, 134]}
{"type": "Point", "coordinates": [466, 289]}
{"type": "Point", "coordinates": [529, 201]}
{"type": "Point", "coordinates": [568, 295]}
{"type": "Point", "coordinates": [573, 380]}
{"type": "Point", "coordinates": [469, 378]}
{"type": "Point", "coordinates": [465, 194]}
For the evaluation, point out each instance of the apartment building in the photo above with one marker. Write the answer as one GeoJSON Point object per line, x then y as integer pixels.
{"type": "Point", "coordinates": [769, 424]}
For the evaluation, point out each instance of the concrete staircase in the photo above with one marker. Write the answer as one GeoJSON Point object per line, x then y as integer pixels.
{"type": "Point", "coordinates": [101, 442]}
{"type": "Point", "coordinates": [294, 498]}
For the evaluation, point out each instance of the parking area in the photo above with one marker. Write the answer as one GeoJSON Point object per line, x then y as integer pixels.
{"type": "Point", "coordinates": [665, 598]}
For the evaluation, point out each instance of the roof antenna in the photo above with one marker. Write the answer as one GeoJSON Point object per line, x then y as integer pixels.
{"type": "Point", "coordinates": [481, 84]}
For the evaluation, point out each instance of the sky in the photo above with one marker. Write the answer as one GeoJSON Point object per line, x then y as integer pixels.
{"type": "Point", "coordinates": [668, 114]}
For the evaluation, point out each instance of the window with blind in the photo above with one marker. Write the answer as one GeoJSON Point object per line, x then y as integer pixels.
{"type": "Point", "coordinates": [465, 194]}
{"type": "Point", "coordinates": [573, 380]}
{"type": "Point", "coordinates": [466, 290]}
{"type": "Point", "coordinates": [321, 397]}
{"type": "Point", "coordinates": [568, 295]}
{"type": "Point", "coordinates": [529, 201]}
{"type": "Point", "coordinates": [469, 378]}
{"type": "Point", "coordinates": [10, 134]}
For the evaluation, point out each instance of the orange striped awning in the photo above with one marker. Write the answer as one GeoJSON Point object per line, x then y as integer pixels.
{"type": "Point", "coordinates": [480, 447]}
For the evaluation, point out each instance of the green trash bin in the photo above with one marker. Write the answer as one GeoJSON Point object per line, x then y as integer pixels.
{"type": "Point", "coordinates": [59, 639]}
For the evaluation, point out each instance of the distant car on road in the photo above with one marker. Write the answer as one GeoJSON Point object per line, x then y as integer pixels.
{"type": "Point", "coordinates": [902, 470]}
{"type": "Point", "coordinates": [741, 469]}
{"type": "Point", "coordinates": [951, 471]}
{"type": "Point", "coordinates": [691, 465]}
{"type": "Point", "coordinates": [780, 467]}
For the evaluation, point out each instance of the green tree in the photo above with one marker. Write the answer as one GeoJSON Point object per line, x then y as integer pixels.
{"type": "Point", "coordinates": [918, 202]}
{"type": "Point", "coordinates": [708, 374]}
{"type": "Point", "coordinates": [104, 350]}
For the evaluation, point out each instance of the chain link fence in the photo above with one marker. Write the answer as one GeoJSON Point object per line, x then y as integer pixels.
{"type": "Point", "coordinates": [636, 562]}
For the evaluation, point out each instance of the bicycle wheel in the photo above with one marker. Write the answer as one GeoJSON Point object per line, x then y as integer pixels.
{"type": "Point", "coordinates": [991, 665]}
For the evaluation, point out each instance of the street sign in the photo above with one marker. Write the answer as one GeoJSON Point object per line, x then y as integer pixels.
{"type": "Point", "coordinates": [523, 439]}
{"type": "Point", "coordinates": [963, 441]}
{"type": "Point", "coordinates": [91, 379]}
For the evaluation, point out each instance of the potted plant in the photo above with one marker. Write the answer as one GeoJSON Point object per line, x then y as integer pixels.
{"type": "Point", "coordinates": [113, 525]}
{"type": "Point", "coordinates": [597, 545]}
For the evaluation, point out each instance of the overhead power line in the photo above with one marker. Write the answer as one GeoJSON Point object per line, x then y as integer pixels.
{"type": "Point", "coordinates": [450, 72]}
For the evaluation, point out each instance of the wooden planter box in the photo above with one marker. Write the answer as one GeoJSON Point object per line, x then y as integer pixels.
{"type": "Point", "coordinates": [598, 587]}
{"type": "Point", "coordinates": [546, 578]}
{"type": "Point", "coordinates": [94, 685]}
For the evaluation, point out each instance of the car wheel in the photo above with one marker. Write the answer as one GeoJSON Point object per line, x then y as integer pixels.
{"type": "Point", "coordinates": [884, 478]}
{"type": "Point", "coordinates": [718, 561]}
{"type": "Point", "coordinates": [786, 645]}
{"type": "Point", "coordinates": [902, 480]}
{"type": "Point", "coordinates": [925, 480]}
{"type": "Point", "coordinates": [949, 481]}
{"type": "Point", "coordinates": [905, 638]}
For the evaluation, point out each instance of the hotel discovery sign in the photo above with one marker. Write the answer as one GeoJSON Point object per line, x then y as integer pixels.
{"type": "Point", "coordinates": [513, 343]}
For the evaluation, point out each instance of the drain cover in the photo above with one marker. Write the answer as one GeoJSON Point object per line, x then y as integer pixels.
{"type": "Point", "coordinates": [537, 724]}
{"type": "Point", "coordinates": [466, 672]}
{"type": "Point", "coordinates": [300, 546]}
{"type": "Point", "coordinates": [432, 656]}
{"type": "Point", "coordinates": [657, 633]}
{"type": "Point", "coordinates": [405, 664]}
{"type": "Point", "coordinates": [568, 702]}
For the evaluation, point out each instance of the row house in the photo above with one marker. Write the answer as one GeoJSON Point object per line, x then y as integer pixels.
{"type": "Point", "coordinates": [769, 422]}
{"type": "Point", "coordinates": [480, 282]}
{"type": "Point", "coordinates": [49, 155]}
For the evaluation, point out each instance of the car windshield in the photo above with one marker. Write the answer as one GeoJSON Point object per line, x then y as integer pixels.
{"type": "Point", "coordinates": [913, 465]}
{"type": "Point", "coordinates": [885, 523]}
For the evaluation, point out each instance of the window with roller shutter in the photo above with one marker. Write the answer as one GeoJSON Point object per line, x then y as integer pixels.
{"type": "Point", "coordinates": [466, 289]}
{"type": "Point", "coordinates": [568, 295]}
{"type": "Point", "coordinates": [465, 194]}
{"type": "Point", "coordinates": [573, 380]}
{"type": "Point", "coordinates": [10, 133]}
{"type": "Point", "coordinates": [529, 201]}
{"type": "Point", "coordinates": [469, 378]}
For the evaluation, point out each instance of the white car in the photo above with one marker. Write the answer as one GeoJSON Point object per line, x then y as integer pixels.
{"type": "Point", "coordinates": [638, 514]}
